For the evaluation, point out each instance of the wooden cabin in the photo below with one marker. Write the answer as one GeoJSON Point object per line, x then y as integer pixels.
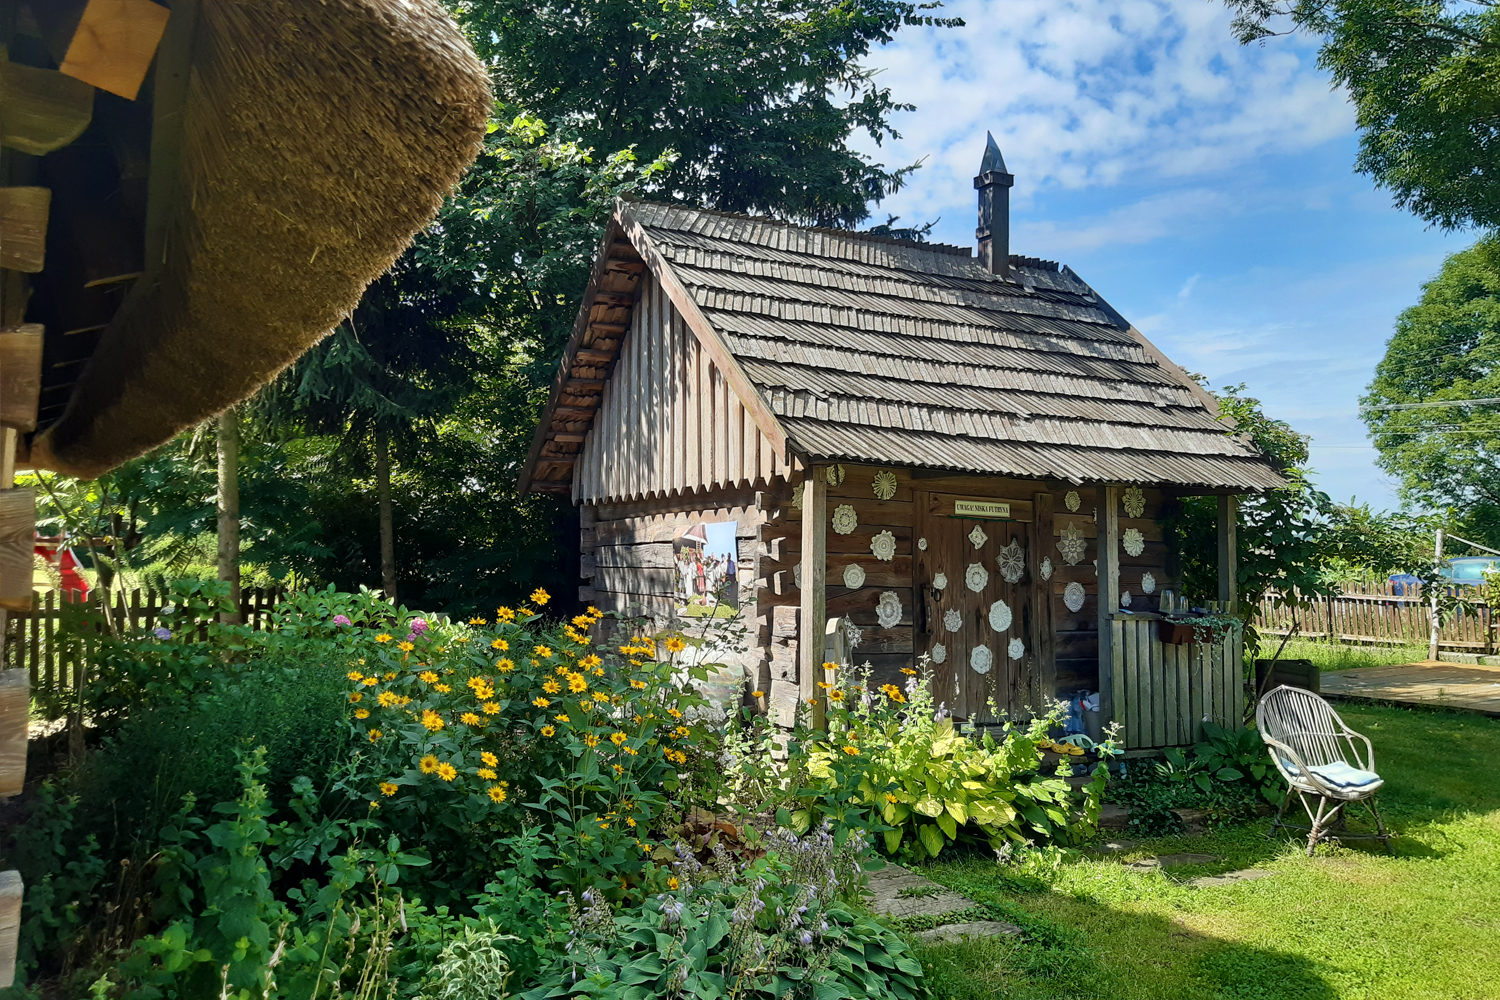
{"type": "Point", "coordinates": [966, 456]}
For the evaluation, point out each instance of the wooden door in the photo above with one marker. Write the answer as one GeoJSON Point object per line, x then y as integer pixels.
{"type": "Point", "coordinates": [961, 580]}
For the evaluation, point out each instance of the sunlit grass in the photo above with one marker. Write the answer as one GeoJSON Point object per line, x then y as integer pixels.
{"type": "Point", "coordinates": [1343, 656]}
{"type": "Point", "coordinates": [1348, 924]}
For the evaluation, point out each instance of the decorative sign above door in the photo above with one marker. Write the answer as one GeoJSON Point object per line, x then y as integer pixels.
{"type": "Point", "coordinates": [979, 508]}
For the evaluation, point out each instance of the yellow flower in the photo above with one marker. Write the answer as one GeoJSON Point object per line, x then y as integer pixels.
{"type": "Point", "coordinates": [491, 708]}
{"type": "Point", "coordinates": [500, 644]}
{"type": "Point", "coordinates": [830, 667]}
{"type": "Point", "coordinates": [476, 621]}
{"type": "Point", "coordinates": [441, 688]}
{"type": "Point", "coordinates": [383, 637]}
{"type": "Point", "coordinates": [672, 882]}
{"type": "Point", "coordinates": [540, 702]}
{"type": "Point", "coordinates": [356, 696]}
{"type": "Point", "coordinates": [387, 698]}
{"type": "Point", "coordinates": [552, 687]}
{"type": "Point", "coordinates": [370, 681]}
{"type": "Point", "coordinates": [374, 804]}
{"type": "Point", "coordinates": [548, 730]}
{"type": "Point", "coordinates": [824, 685]}
{"type": "Point", "coordinates": [390, 675]}
{"type": "Point", "coordinates": [496, 794]}
{"type": "Point", "coordinates": [540, 596]}
{"type": "Point", "coordinates": [589, 662]}
{"type": "Point", "coordinates": [374, 735]}
{"type": "Point", "coordinates": [447, 771]}
{"type": "Point", "coordinates": [835, 695]}
{"type": "Point", "coordinates": [618, 769]}
{"type": "Point", "coordinates": [676, 755]}
{"type": "Point", "coordinates": [639, 685]}
{"type": "Point", "coordinates": [852, 751]}
{"type": "Point", "coordinates": [405, 647]}
{"type": "Point", "coordinates": [469, 719]}
{"type": "Point", "coordinates": [543, 652]}
{"type": "Point", "coordinates": [428, 764]}
{"type": "Point", "coordinates": [489, 758]}
{"type": "Point", "coordinates": [428, 677]}
{"type": "Point", "coordinates": [577, 683]}
{"type": "Point", "coordinates": [595, 612]}
{"type": "Point", "coordinates": [586, 705]}
{"type": "Point", "coordinates": [355, 676]}
{"type": "Point", "coordinates": [890, 798]}
{"type": "Point", "coordinates": [591, 740]}
{"type": "Point", "coordinates": [598, 671]}
{"type": "Point", "coordinates": [432, 720]}
{"type": "Point", "coordinates": [674, 644]}
{"type": "Point", "coordinates": [504, 614]}
{"type": "Point", "coordinates": [908, 671]}
{"type": "Point", "coordinates": [618, 738]}
{"type": "Point", "coordinates": [634, 752]}
{"type": "Point", "coordinates": [387, 788]}
{"type": "Point", "coordinates": [361, 713]}
{"type": "Point", "coordinates": [582, 621]}
{"type": "Point", "coordinates": [682, 731]}
{"type": "Point", "coordinates": [757, 694]}
{"type": "Point", "coordinates": [893, 692]}
{"type": "Point", "coordinates": [486, 774]}
{"type": "Point", "coordinates": [674, 713]}
{"type": "Point", "coordinates": [504, 666]}
{"type": "Point", "coordinates": [560, 717]}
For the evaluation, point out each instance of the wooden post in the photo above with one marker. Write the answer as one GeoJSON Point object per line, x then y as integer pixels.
{"type": "Point", "coordinates": [1432, 598]}
{"type": "Point", "coordinates": [11, 890]}
{"type": "Point", "coordinates": [1043, 647]}
{"type": "Point", "coordinates": [229, 511]}
{"type": "Point", "coordinates": [1229, 516]}
{"type": "Point", "coordinates": [814, 591]}
{"type": "Point", "coordinates": [1107, 532]}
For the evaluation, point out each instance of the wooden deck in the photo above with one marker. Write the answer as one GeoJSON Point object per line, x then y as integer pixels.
{"type": "Point", "coordinates": [1432, 683]}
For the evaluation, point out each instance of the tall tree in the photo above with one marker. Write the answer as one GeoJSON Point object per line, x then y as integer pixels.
{"type": "Point", "coordinates": [1446, 349]}
{"type": "Point", "coordinates": [758, 98]}
{"type": "Point", "coordinates": [1424, 77]}
{"type": "Point", "coordinates": [229, 506]}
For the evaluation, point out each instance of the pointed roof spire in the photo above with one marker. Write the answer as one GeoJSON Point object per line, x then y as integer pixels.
{"type": "Point", "coordinates": [992, 158]}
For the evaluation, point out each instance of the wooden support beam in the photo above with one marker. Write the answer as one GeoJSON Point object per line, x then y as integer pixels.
{"type": "Point", "coordinates": [1229, 517]}
{"type": "Point", "coordinates": [1107, 531]}
{"type": "Point", "coordinates": [814, 592]}
{"type": "Point", "coordinates": [15, 710]}
{"type": "Point", "coordinates": [114, 44]}
{"type": "Point", "coordinates": [41, 109]}
{"type": "Point", "coordinates": [23, 228]}
{"type": "Point", "coordinates": [11, 889]}
{"type": "Point", "coordinates": [20, 376]}
{"type": "Point", "coordinates": [17, 537]}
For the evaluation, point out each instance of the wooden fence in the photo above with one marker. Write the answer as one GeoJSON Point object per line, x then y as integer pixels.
{"type": "Point", "coordinates": [52, 641]}
{"type": "Point", "coordinates": [1382, 617]}
{"type": "Point", "coordinates": [1163, 692]}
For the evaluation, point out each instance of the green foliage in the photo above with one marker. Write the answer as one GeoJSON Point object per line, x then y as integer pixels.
{"type": "Point", "coordinates": [759, 99]}
{"type": "Point", "coordinates": [785, 925]}
{"type": "Point", "coordinates": [888, 764]}
{"type": "Point", "coordinates": [1424, 77]}
{"type": "Point", "coordinates": [1229, 774]}
{"type": "Point", "coordinates": [1446, 347]}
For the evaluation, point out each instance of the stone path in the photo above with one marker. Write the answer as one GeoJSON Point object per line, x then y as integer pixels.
{"type": "Point", "coordinates": [1431, 682]}
{"type": "Point", "coordinates": [899, 893]}
{"type": "Point", "coordinates": [1206, 881]}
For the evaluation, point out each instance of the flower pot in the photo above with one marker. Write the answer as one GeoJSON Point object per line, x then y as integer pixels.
{"type": "Point", "coordinates": [1174, 633]}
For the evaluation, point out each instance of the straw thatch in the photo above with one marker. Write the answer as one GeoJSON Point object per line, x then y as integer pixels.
{"type": "Point", "coordinates": [318, 137]}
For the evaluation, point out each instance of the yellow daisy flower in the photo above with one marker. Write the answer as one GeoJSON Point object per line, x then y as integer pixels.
{"type": "Point", "coordinates": [447, 771]}
{"type": "Point", "coordinates": [496, 794]}
{"type": "Point", "coordinates": [548, 730]}
{"type": "Point", "coordinates": [486, 773]}
{"type": "Point", "coordinates": [540, 702]}
{"type": "Point", "coordinates": [552, 687]}
{"type": "Point", "coordinates": [491, 708]}
{"type": "Point", "coordinates": [469, 719]}
{"type": "Point", "coordinates": [405, 647]}
{"type": "Point", "coordinates": [374, 735]}
{"type": "Point", "coordinates": [387, 788]}
{"type": "Point", "coordinates": [489, 758]}
{"type": "Point", "coordinates": [431, 720]}
{"type": "Point", "coordinates": [428, 764]}
{"type": "Point", "coordinates": [383, 637]}
{"type": "Point", "coordinates": [540, 596]}
{"type": "Point", "coordinates": [428, 677]}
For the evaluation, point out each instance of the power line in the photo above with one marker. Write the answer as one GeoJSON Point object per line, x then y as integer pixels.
{"type": "Point", "coordinates": [1433, 404]}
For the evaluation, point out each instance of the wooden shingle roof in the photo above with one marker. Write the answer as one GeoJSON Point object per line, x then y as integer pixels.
{"type": "Point", "coordinates": [875, 350]}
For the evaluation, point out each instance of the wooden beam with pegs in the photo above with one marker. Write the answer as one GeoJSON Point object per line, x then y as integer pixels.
{"type": "Point", "coordinates": [20, 375]}
{"type": "Point", "coordinates": [17, 538]}
{"type": "Point", "coordinates": [23, 228]}
{"type": "Point", "coordinates": [41, 109]}
{"type": "Point", "coordinates": [114, 44]}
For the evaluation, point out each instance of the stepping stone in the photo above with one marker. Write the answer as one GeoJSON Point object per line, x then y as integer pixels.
{"type": "Point", "coordinates": [898, 893]}
{"type": "Point", "coordinates": [1230, 878]}
{"type": "Point", "coordinates": [953, 933]}
{"type": "Point", "coordinates": [1115, 846]}
{"type": "Point", "coordinates": [1113, 816]}
{"type": "Point", "coordinates": [1169, 860]}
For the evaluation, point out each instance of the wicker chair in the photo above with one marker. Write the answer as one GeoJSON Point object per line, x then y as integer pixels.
{"type": "Point", "coordinates": [1321, 760]}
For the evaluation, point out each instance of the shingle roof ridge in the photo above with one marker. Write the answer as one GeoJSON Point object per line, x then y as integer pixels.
{"type": "Point", "coordinates": [942, 248]}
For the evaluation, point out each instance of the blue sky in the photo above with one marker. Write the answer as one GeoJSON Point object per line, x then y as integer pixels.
{"type": "Point", "coordinates": [1204, 188]}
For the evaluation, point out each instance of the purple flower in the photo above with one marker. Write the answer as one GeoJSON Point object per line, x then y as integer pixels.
{"type": "Point", "coordinates": [412, 637]}
{"type": "Point", "coordinates": [162, 633]}
{"type": "Point", "coordinates": [341, 620]}
{"type": "Point", "coordinates": [419, 625]}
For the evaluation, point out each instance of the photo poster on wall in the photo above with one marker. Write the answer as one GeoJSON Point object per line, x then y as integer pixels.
{"type": "Point", "coordinates": [706, 557]}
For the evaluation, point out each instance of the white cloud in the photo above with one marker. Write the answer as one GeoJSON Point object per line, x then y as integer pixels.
{"type": "Point", "coordinates": [1084, 93]}
{"type": "Point", "coordinates": [1188, 285]}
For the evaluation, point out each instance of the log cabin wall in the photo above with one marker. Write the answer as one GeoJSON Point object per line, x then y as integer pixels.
{"type": "Point", "coordinates": [668, 423]}
{"type": "Point", "coordinates": [1074, 634]}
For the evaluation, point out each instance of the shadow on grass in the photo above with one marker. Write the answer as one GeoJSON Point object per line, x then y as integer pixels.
{"type": "Point", "coordinates": [1106, 953]}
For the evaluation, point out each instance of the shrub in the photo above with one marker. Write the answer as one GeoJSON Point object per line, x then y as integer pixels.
{"type": "Point", "coordinates": [1229, 775]}
{"type": "Point", "coordinates": [786, 925]}
{"type": "Point", "coordinates": [889, 763]}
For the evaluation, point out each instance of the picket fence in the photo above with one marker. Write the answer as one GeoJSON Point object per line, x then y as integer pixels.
{"type": "Point", "coordinates": [1375, 614]}
{"type": "Point", "coordinates": [52, 642]}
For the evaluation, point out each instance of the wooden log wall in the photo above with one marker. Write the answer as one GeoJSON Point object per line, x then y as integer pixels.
{"type": "Point", "coordinates": [668, 424]}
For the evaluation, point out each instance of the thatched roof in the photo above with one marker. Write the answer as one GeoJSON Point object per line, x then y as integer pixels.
{"type": "Point", "coordinates": [313, 138]}
{"type": "Point", "coordinates": [868, 349]}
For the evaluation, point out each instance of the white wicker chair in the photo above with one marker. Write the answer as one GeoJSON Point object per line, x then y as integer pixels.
{"type": "Point", "coordinates": [1320, 759]}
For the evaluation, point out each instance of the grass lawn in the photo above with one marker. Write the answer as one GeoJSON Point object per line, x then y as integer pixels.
{"type": "Point", "coordinates": [1342, 656]}
{"type": "Point", "coordinates": [1348, 924]}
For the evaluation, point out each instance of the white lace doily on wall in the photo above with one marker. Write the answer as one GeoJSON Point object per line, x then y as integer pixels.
{"type": "Point", "coordinates": [981, 659]}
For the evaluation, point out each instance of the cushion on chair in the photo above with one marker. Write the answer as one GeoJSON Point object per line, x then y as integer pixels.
{"type": "Point", "coordinates": [1347, 777]}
